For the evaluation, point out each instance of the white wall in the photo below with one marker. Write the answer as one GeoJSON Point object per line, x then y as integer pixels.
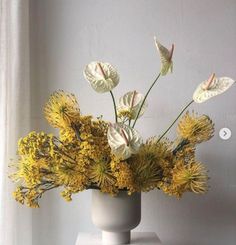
{"type": "Point", "coordinates": [67, 34]}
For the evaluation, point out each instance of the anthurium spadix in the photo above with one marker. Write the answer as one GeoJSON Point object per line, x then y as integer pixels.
{"type": "Point", "coordinates": [123, 140]}
{"type": "Point", "coordinates": [165, 56]}
{"type": "Point", "coordinates": [131, 102]}
{"type": "Point", "coordinates": [212, 87]}
{"type": "Point", "coordinates": [103, 77]}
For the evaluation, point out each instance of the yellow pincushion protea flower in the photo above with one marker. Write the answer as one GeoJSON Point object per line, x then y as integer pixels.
{"type": "Point", "coordinates": [194, 128]}
{"type": "Point", "coordinates": [191, 177]}
{"type": "Point", "coordinates": [101, 175]}
{"type": "Point", "coordinates": [150, 164]}
{"type": "Point", "coordinates": [62, 109]}
{"type": "Point", "coordinates": [73, 177]}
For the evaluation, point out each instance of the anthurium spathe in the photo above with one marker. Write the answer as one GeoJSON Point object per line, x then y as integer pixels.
{"type": "Point", "coordinates": [212, 87]}
{"type": "Point", "coordinates": [103, 77]}
{"type": "Point", "coordinates": [166, 57]}
{"type": "Point", "coordinates": [123, 140]}
{"type": "Point", "coordinates": [130, 103]}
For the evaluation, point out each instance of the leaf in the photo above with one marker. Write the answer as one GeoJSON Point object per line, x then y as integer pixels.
{"type": "Point", "coordinates": [166, 57]}
{"type": "Point", "coordinates": [131, 102]}
{"type": "Point", "coordinates": [103, 77]}
{"type": "Point", "coordinates": [212, 87]}
{"type": "Point", "coordinates": [123, 140]}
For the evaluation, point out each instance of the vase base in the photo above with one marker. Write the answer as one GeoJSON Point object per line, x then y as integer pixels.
{"type": "Point", "coordinates": [115, 238]}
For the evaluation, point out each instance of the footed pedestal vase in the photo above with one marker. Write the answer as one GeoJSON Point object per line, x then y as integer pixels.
{"type": "Point", "coordinates": [116, 216]}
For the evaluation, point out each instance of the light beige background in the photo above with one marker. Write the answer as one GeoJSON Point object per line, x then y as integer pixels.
{"type": "Point", "coordinates": [67, 34]}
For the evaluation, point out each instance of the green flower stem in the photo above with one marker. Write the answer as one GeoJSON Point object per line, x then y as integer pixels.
{"type": "Point", "coordinates": [175, 120]}
{"type": "Point", "coordinates": [114, 103]}
{"type": "Point", "coordinates": [145, 97]}
{"type": "Point", "coordinates": [129, 122]}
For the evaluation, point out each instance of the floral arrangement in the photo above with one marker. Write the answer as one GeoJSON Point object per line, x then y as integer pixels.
{"type": "Point", "coordinates": [91, 153]}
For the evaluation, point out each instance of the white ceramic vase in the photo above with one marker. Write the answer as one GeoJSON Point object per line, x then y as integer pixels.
{"type": "Point", "coordinates": [116, 216]}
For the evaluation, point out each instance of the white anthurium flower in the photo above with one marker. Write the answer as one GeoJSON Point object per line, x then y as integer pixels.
{"type": "Point", "coordinates": [166, 57]}
{"type": "Point", "coordinates": [212, 87]}
{"type": "Point", "coordinates": [103, 77]}
{"type": "Point", "coordinates": [131, 102]}
{"type": "Point", "coordinates": [123, 140]}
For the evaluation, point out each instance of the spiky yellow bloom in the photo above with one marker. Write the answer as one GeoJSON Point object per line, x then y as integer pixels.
{"type": "Point", "coordinates": [183, 154]}
{"type": "Point", "coordinates": [30, 171]}
{"type": "Point", "coordinates": [72, 176]}
{"type": "Point", "coordinates": [101, 175]}
{"type": "Point", "coordinates": [195, 129]}
{"type": "Point", "coordinates": [150, 164]}
{"type": "Point", "coordinates": [191, 177]}
{"type": "Point", "coordinates": [62, 109]}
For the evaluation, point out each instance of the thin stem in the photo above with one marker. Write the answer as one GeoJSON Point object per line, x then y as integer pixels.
{"type": "Point", "coordinates": [114, 103]}
{"type": "Point", "coordinates": [129, 122]}
{"type": "Point", "coordinates": [180, 146]}
{"type": "Point", "coordinates": [50, 188]}
{"type": "Point", "coordinates": [145, 97]}
{"type": "Point", "coordinates": [175, 120]}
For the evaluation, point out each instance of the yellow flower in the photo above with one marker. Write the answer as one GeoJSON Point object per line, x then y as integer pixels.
{"type": "Point", "coordinates": [28, 196]}
{"type": "Point", "coordinates": [195, 129]}
{"type": "Point", "coordinates": [151, 164]}
{"type": "Point", "coordinates": [29, 171]}
{"type": "Point", "coordinates": [101, 175]}
{"type": "Point", "coordinates": [18, 195]}
{"type": "Point", "coordinates": [46, 162]}
{"type": "Point", "coordinates": [32, 197]}
{"type": "Point", "coordinates": [36, 145]}
{"type": "Point", "coordinates": [66, 194]}
{"type": "Point", "coordinates": [191, 177]}
{"type": "Point", "coordinates": [124, 176]}
{"type": "Point", "coordinates": [62, 109]}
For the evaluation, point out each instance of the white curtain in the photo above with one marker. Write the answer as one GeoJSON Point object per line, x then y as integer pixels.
{"type": "Point", "coordinates": [15, 220]}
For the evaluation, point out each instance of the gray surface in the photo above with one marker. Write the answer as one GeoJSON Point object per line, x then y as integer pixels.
{"type": "Point", "coordinates": [137, 238]}
{"type": "Point", "coordinates": [67, 34]}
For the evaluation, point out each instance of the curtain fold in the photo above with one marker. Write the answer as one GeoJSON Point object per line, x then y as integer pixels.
{"type": "Point", "coordinates": [15, 220]}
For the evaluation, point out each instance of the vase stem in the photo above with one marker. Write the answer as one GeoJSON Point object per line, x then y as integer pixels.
{"type": "Point", "coordinates": [115, 238]}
